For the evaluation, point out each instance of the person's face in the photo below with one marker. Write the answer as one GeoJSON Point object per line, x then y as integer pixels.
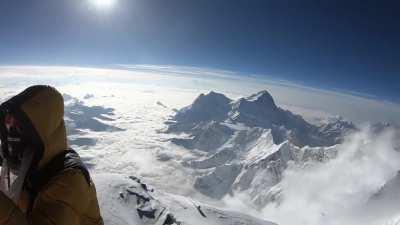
{"type": "Point", "coordinates": [15, 141]}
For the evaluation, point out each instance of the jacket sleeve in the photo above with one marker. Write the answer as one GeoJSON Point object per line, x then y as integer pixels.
{"type": "Point", "coordinates": [63, 201]}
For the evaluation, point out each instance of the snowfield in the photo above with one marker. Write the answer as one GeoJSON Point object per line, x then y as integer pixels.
{"type": "Point", "coordinates": [120, 197]}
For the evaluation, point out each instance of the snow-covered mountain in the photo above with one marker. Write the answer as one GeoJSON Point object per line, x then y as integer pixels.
{"type": "Point", "coordinates": [249, 143]}
{"type": "Point", "coordinates": [209, 115]}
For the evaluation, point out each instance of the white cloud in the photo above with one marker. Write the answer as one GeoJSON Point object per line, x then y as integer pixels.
{"type": "Point", "coordinates": [336, 192]}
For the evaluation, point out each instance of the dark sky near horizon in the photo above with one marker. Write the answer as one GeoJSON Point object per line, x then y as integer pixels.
{"type": "Point", "coordinates": [347, 45]}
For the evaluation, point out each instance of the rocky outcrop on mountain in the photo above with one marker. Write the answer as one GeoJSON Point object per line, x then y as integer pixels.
{"type": "Point", "coordinates": [206, 136]}
{"type": "Point", "coordinates": [217, 183]}
{"type": "Point", "coordinates": [218, 159]}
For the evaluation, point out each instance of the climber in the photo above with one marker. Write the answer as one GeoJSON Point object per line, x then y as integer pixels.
{"type": "Point", "coordinates": [43, 181]}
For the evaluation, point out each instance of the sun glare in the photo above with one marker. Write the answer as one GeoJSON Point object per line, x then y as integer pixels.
{"type": "Point", "coordinates": [103, 4]}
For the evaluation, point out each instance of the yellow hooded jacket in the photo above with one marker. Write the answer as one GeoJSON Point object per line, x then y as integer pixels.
{"type": "Point", "coordinates": [57, 189]}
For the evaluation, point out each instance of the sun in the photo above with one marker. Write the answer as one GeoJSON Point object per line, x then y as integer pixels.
{"type": "Point", "coordinates": [103, 4]}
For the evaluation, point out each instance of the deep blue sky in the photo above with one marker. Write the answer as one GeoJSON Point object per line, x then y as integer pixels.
{"type": "Point", "coordinates": [349, 45]}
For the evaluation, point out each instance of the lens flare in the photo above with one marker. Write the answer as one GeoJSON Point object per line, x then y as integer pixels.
{"type": "Point", "coordinates": [103, 4]}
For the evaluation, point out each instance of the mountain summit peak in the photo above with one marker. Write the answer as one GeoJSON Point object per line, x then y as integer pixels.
{"type": "Point", "coordinates": [263, 97]}
{"type": "Point", "coordinates": [211, 99]}
{"type": "Point", "coordinates": [206, 107]}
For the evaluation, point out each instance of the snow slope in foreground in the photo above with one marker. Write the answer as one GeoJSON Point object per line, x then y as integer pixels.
{"type": "Point", "coordinates": [128, 201]}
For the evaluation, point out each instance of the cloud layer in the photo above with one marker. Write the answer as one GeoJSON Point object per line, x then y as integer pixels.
{"type": "Point", "coordinates": [308, 101]}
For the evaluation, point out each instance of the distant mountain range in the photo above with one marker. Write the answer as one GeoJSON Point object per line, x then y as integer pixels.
{"type": "Point", "coordinates": [217, 112]}
{"type": "Point", "coordinates": [250, 142]}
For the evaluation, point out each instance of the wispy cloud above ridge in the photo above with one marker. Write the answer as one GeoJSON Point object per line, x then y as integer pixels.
{"type": "Point", "coordinates": [183, 70]}
{"type": "Point", "coordinates": [353, 106]}
{"type": "Point", "coordinates": [198, 71]}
